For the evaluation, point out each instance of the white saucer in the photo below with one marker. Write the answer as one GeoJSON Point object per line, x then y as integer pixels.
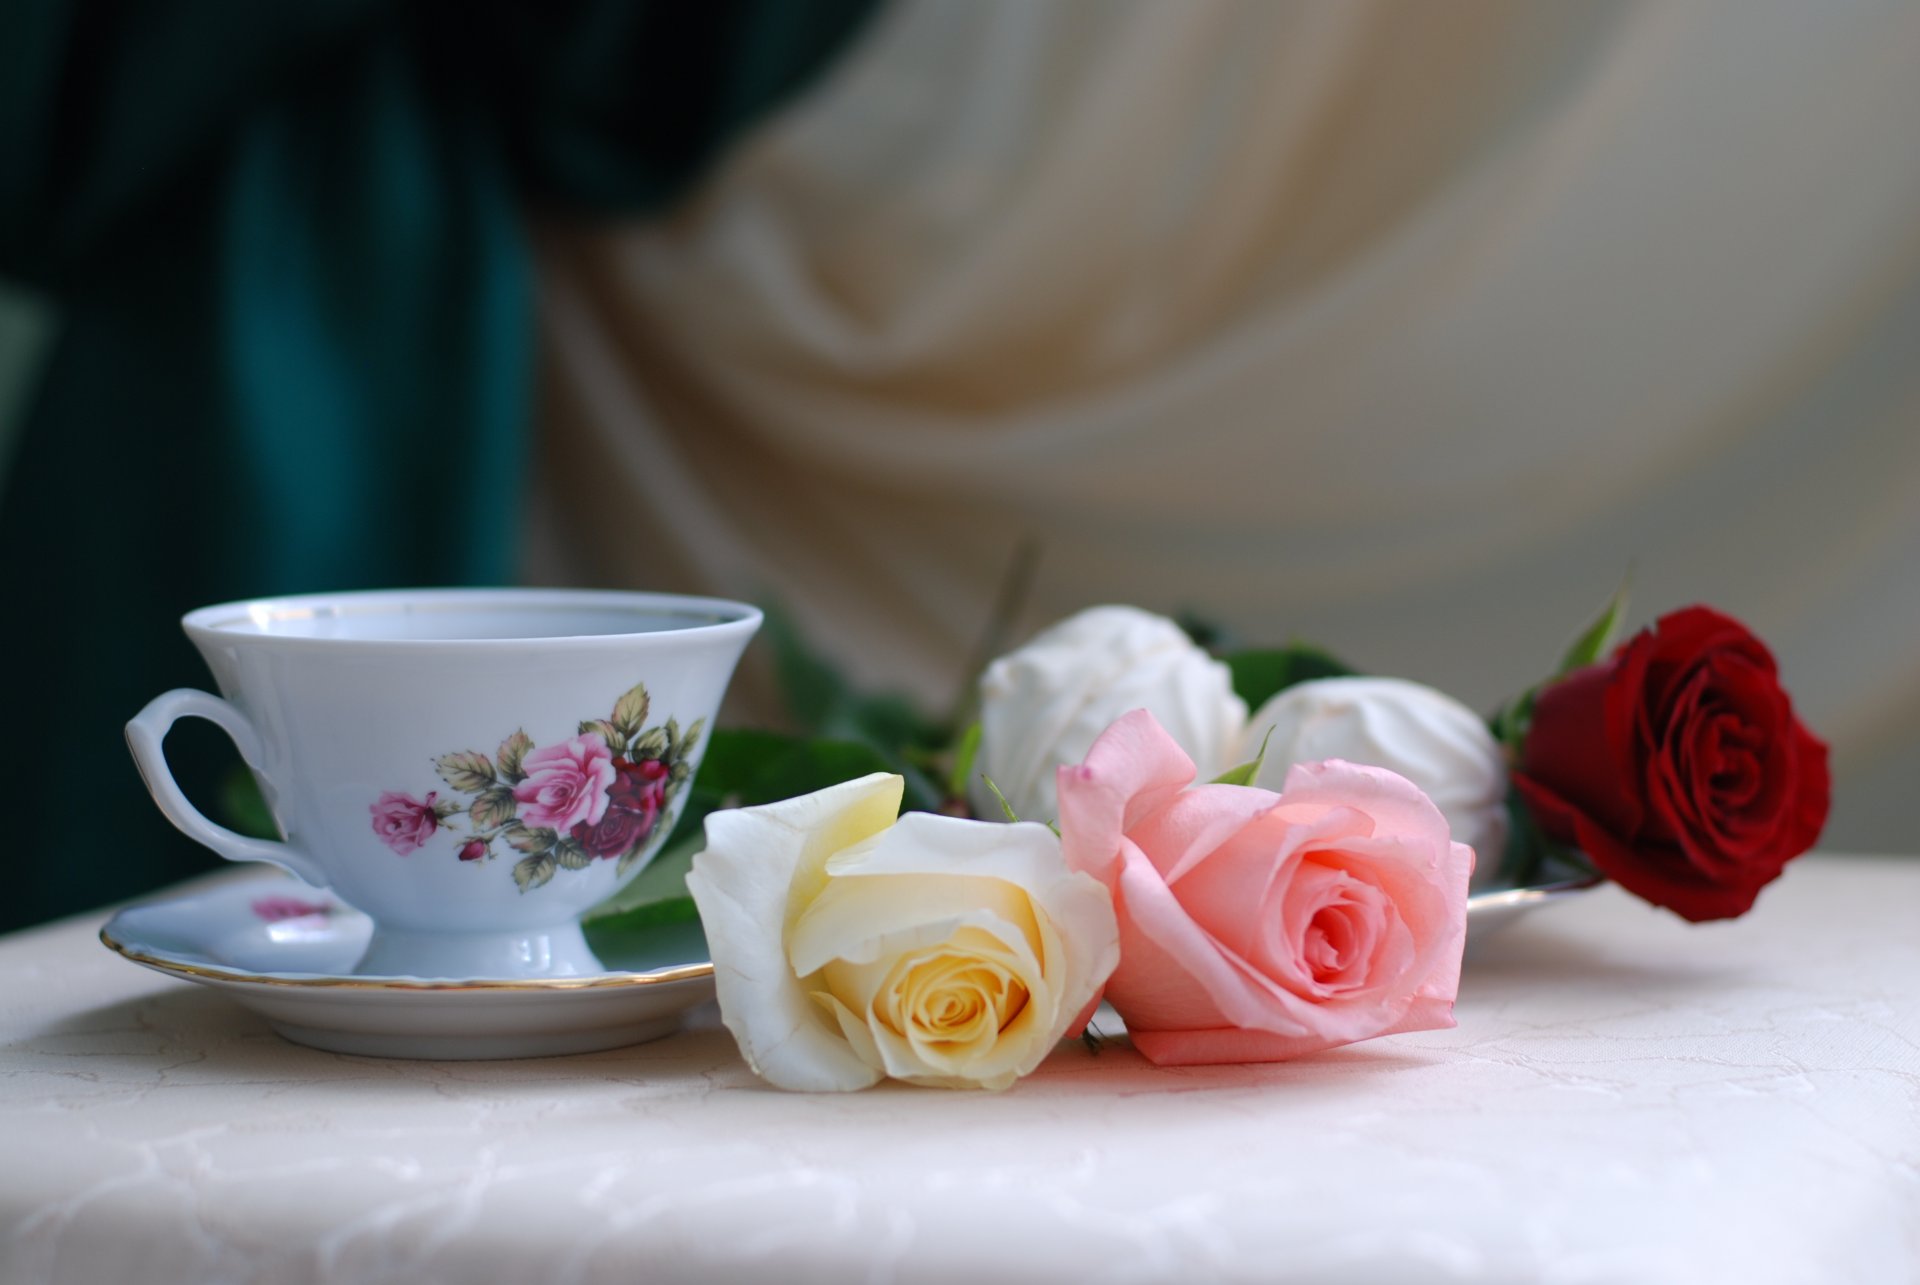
{"type": "Point", "coordinates": [287, 952]}
{"type": "Point", "coordinates": [1492, 909]}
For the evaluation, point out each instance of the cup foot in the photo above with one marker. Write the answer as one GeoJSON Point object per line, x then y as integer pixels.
{"type": "Point", "coordinates": [555, 951]}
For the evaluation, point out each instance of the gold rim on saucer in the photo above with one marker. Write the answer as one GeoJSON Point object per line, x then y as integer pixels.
{"type": "Point", "coordinates": [206, 972]}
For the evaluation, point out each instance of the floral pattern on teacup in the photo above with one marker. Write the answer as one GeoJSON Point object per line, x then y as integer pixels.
{"type": "Point", "coordinates": [596, 797]}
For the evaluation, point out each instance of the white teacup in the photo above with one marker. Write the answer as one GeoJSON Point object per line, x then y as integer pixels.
{"type": "Point", "coordinates": [473, 768]}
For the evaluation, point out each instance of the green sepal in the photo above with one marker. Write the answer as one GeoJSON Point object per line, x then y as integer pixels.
{"type": "Point", "coordinates": [1510, 724]}
{"type": "Point", "coordinates": [1006, 807]}
{"type": "Point", "coordinates": [1246, 773]}
{"type": "Point", "coordinates": [1597, 639]}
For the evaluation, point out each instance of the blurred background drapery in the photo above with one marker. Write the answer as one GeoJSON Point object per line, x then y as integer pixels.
{"type": "Point", "coordinates": [266, 326]}
{"type": "Point", "coordinates": [1400, 328]}
{"type": "Point", "coordinates": [1403, 329]}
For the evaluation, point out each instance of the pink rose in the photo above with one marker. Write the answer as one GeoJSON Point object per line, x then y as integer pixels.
{"type": "Point", "coordinates": [403, 822]}
{"type": "Point", "coordinates": [473, 850]}
{"type": "Point", "coordinates": [1257, 926]}
{"type": "Point", "coordinates": [566, 784]}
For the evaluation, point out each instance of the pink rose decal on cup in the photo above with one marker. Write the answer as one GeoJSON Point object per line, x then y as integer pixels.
{"type": "Point", "coordinates": [566, 784]}
{"type": "Point", "coordinates": [403, 822]}
{"type": "Point", "coordinates": [598, 796]}
{"type": "Point", "coordinates": [1257, 926]}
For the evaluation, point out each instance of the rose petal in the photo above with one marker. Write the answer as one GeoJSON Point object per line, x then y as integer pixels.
{"type": "Point", "coordinates": [1023, 854]}
{"type": "Point", "coordinates": [1026, 856]}
{"type": "Point", "coordinates": [1173, 973]}
{"type": "Point", "coordinates": [1394, 803]}
{"type": "Point", "coordinates": [875, 921]}
{"type": "Point", "coordinates": [759, 863]}
{"type": "Point", "coordinates": [1424, 735]}
{"type": "Point", "coordinates": [1132, 771]}
{"type": "Point", "coordinates": [1011, 1051]}
{"type": "Point", "coordinates": [1194, 824]}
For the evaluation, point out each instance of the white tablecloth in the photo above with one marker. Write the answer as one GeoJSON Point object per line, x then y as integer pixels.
{"type": "Point", "coordinates": [1626, 1099]}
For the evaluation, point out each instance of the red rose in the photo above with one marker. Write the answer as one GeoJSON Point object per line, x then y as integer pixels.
{"type": "Point", "coordinates": [1678, 766]}
{"type": "Point", "coordinates": [614, 834]}
{"type": "Point", "coordinates": [634, 801]}
{"type": "Point", "coordinates": [639, 787]}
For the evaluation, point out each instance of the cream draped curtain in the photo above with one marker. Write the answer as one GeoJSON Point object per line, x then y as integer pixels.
{"type": "Point", "coordinates": [1403, 328]}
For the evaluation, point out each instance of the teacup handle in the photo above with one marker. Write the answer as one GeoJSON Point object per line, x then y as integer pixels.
{"type": "Point", "coordinates": [145, 735]}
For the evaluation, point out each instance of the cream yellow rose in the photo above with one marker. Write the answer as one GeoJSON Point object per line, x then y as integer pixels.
{"type": "Point", "coordinates": [849, 946]}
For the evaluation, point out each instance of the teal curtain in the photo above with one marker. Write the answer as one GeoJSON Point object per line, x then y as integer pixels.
{"type": "Point", "coordinates": [283, 248]}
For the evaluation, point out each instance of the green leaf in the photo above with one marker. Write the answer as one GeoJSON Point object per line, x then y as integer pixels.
{"type": "Point", "coordinates": [1247, 773]}
{"type": "Point", "coordinates": [1510, 725]}
{"type": "Point", "coordinates": [570, 855]}
{"type": "Point", "coordinates": [630, 711]}
{"type": "Point", "coordinates": [1597, 639]}
{"type": "Point", "coordinates": [527, 839]}
{"type": "Point", "coordinates": [467, 771]}
{"type": "Point", "coordinates": [492, 808]}
{"type": "Point", "coordinates": [664, 879]}
{"type": "Point", "coordinates": [1515, 717]}
{"type": "Point", "coordinates": [533, 872]}
{"type": "Point", "coordinates": [513, 752]}
{"type": "Point", "coordinates": [1259, 675]}
{"type": "Point", "coordinates": [688, 739]}
{"type": "Point", "coordinates": [444, 808]}
{"type": "Point", "coordinates": [751, 766]}
{"type": "Point", "coordinates": [964, 754]}
{"type": "Point", "coordinates": [243, 807]}
{"type": "Point", "coordinates": [631, 931]}
{"type": "Point", "coordinates": [813, 689]}
{"type": "Point", "coordinates": [822, 703]}
{"type": "Point", "coordinates": [651, 746]}
{"type": "Point", "coordinates": [1532, 857]}
{"type": "Point", "coordinates": [605, 731]}
{"type": "Point", "coordinates": [1207, 633]}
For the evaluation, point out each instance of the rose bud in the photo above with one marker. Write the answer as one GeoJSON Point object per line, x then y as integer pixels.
{"type": "Point", "coordinates": [472, 850]}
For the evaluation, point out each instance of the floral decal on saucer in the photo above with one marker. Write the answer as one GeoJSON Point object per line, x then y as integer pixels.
{"type": "Point", "coordinates": [597, 797]}
{"type": "Point", "coordinates": [276, 908]}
